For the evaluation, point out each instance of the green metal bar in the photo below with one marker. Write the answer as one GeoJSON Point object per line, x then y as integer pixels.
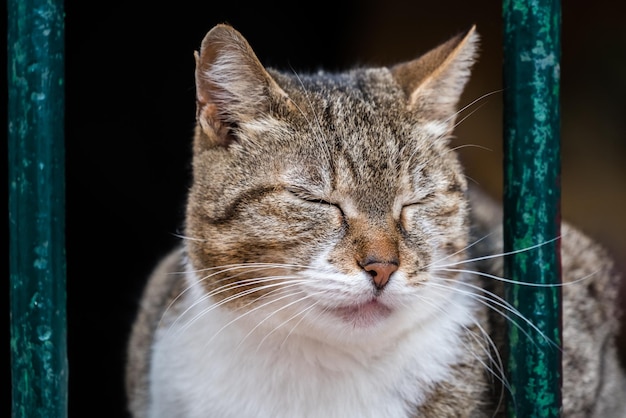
{"type": "Point", "coordinates": [532, 203]}
{"type": "Point", "coordinates": [35, 47]}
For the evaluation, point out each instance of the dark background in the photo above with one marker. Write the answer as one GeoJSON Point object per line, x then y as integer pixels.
{"type": "Point", "coordinates": [130, 114]}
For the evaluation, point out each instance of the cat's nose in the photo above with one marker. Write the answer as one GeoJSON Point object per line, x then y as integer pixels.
{"type": "Point", "coordinates": [380, 272]}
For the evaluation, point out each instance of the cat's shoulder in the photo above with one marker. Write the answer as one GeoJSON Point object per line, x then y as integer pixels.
{"type": "Point", "coordinates": [163, 285]}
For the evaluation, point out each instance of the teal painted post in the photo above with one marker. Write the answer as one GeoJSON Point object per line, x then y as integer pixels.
{"type": "Point", "coordinates": [532, 203]}
{"type": "Point", "coordinates": [35, 48]}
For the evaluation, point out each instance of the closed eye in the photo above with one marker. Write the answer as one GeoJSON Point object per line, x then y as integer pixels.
{"type": "Point", "coordinates": [423, 200]}
{"type": "Point", "coordinates": [307, 196]}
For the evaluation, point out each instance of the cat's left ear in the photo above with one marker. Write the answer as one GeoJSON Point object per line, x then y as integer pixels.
{"type": "Point", "coordinates": [433, 83]}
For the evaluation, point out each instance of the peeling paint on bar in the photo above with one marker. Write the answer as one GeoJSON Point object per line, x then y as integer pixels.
{"type": "Point", "coordinates": [532, 202]}
{"type": "Point", "coordinates": [35, 40]}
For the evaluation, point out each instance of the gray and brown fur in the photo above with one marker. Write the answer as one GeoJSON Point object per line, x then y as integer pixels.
{"type": "Point", "coordinates": [348, 140]}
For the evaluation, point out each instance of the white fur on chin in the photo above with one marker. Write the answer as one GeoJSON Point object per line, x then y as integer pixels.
{"type": "Point", "coordinates": [274, 372]}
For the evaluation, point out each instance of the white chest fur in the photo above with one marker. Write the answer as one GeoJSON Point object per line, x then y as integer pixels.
{"type": "Point", "coordinates": [216, 367]}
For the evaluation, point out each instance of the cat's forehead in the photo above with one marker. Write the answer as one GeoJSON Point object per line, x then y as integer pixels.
{"type": "Point", "coordinates": [357, 107]}
{"type": "Point", "coordinates": [347, 109]}
{"type": "Point", "coordinates": [358, 92]}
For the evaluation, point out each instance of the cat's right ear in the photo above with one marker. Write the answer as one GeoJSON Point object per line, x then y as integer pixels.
{"type": "Point", "coordinates": [232, 87]}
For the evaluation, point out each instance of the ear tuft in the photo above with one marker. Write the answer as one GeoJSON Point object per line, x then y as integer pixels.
{"type": "Point", "coordinates": [434, 82]}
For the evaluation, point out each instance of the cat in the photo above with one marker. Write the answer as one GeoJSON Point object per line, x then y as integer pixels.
{"type": "Point", "coordinates": [319, 273]}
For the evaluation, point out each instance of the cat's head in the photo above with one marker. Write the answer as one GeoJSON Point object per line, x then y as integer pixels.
{"type": "Point", "coordinates": [326, 196]}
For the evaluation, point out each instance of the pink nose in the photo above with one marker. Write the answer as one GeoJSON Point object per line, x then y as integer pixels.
{"type": "Point", "coordinates": [380, 272]}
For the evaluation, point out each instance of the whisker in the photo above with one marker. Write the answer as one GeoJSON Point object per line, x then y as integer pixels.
{"type": "Point", "coordinates": [206, 296]}
{"type": "Point", "coordinates": [248, 312]}
{"type": "Point", "coordinates": [306, 312]}
{"type": "Point", "coordinates": [493, 299]}
{"type": "Point", "coordinates": [467, 116]}
{"type": "Point", "coordinates": [446, 136]}
{"type": "Point", "coordinates": [267, 317]}
{"type": "Point", "coordinates": [498, 373]}
{"type": "Point", "coordinates": [228, 299]}
{"type": "Point", "coordinates": [498, 364]}
{"type": "Point", "coordinates": [457, 252]}
{"type": "Point", "coordinates": [186, 238]}
{"type": "Point", "coordinates": [495, 367]}
{"type": "Point", "coordinates": [308, 296]}
{"type": "Point", "coordinates": [472, 103]}
{"type": "Point", "coordinates": [473, 180]}
{"type": "Point", "coordinates": [518, 282]}
{"type": "Point", "coordinates": [504, 254]}
{"type": "Point", "coordinates": [227, 268]}
{"type": "Point", "coordinates": [458, 147]}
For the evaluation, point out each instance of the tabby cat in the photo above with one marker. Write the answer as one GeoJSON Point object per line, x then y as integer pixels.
{"type": "Point", "coordinates": [326, 268]}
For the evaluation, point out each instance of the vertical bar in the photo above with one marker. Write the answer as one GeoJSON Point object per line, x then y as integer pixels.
{"type": "Point", "coordinates": [532, 203]}
{"type": "Point", "coordinates": [35, 58]}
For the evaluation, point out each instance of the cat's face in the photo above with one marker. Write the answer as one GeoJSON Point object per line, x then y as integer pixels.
{"type": "Point", "coordinates": [326, 200]}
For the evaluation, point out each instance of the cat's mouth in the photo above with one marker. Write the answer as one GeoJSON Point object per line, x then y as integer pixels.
{"type": "Point", "coordinates": [363, 314]}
